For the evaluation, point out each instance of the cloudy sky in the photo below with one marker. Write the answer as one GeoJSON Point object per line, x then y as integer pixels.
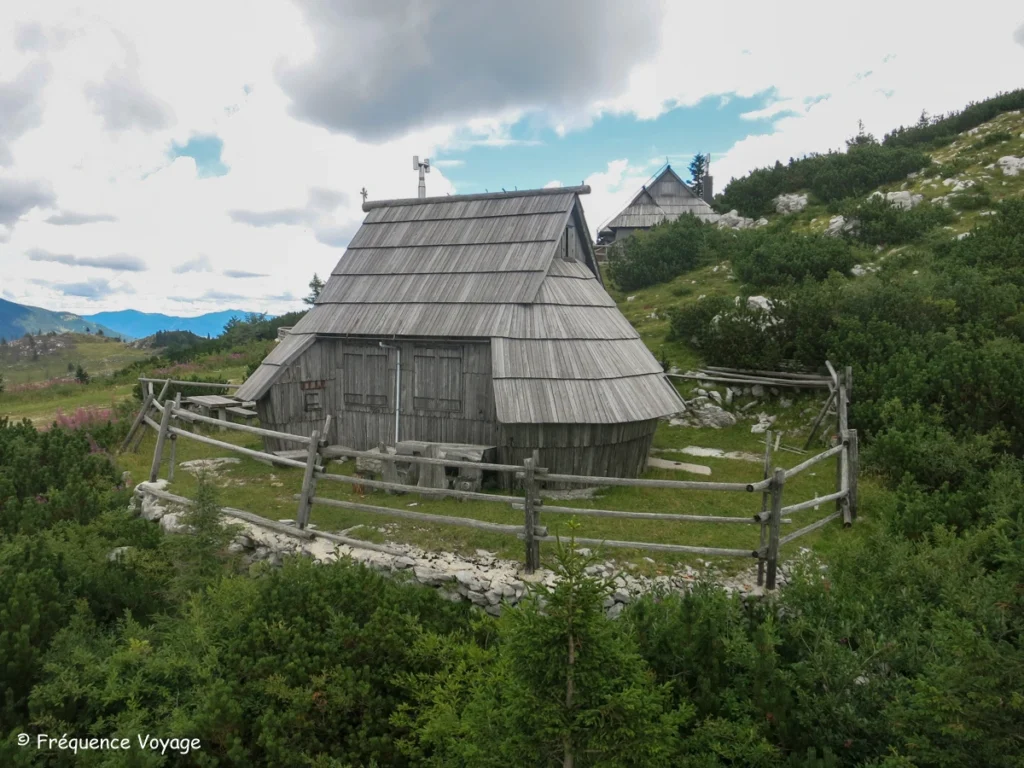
{"type": "Point", "coordinates": [196, 156]}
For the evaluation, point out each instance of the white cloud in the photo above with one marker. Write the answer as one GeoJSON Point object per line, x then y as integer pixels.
{"type": "Point", "coordinates": [95, 94]}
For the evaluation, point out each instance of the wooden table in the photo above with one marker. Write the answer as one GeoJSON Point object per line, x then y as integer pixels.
{"type": "Point", "coordinates": [209, 403]}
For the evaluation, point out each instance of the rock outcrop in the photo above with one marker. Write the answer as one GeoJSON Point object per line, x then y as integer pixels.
{"type": "Point", "coordinates": [839, 225]}
{"type": "Point", "coordinates": [733, 220]}
{"type": "Point", "coordinates": [790, 203]}
{"type": "Point", "coordinates": [1010, 165]}
{"type": "Point", "coordinates": [902, 199]}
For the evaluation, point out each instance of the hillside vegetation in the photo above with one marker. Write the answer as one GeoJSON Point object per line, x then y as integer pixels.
{"type": "Point", "coordinates": [898, 643]}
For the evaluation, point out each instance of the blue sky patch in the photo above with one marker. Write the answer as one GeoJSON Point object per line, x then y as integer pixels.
{"type": "Point", "coordinates": [205, 150]}
{"type": "Point", "coordinates": [537, 155]}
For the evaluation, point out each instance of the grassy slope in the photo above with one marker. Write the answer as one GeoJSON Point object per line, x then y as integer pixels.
{"type": "Point", "coordinates": [101, 358]}
{"type": "Point", "coordinates": [99, 355]}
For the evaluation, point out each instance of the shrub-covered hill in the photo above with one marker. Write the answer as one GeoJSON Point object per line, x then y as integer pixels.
{"type": "Point", "coordinates": [901, 224]}
{"type": "Point", "coordinates": [920, 290]}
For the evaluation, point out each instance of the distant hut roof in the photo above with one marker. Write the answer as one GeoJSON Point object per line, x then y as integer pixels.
{"type": "Point", "coordinates": [666, 198]}
{"type": "Point", "coordinates": [485, 266]}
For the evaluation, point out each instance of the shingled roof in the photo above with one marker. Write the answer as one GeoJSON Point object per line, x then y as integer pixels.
{"type": "Point", "coordinates": [665, 199]}
{"type": "Point", "coordinates": [486, 266]}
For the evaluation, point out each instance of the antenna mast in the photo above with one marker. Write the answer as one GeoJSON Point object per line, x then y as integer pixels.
{"type": "Point", "coordinates": [423, 168]}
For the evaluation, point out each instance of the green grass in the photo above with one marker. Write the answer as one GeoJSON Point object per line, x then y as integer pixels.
{"type": "Point", "coordinates": [656, 300]}
{"type": "Point", "coordinates": [269, 492]}
{"type": "Point", "coordinates": [41, 406]}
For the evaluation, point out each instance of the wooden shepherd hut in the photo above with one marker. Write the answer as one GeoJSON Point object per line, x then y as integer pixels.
{"type": "Point", "coordinates": [471, 319]}
{"type": "Point", "coordinates": [665, 198]}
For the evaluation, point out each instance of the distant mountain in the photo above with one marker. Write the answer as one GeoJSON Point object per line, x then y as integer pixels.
{"type": "Point", "coordinates": [142, 324]}
{"type": "Point", "coordinates": [18, 319]}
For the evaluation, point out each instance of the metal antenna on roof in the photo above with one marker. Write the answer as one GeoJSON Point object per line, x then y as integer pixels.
{"type": "Point", "coordinates": [423, 167]}
{"type": "Point", "coordinates": [364, 193]}
{"type": "Point", "coordinates": [503, 190]}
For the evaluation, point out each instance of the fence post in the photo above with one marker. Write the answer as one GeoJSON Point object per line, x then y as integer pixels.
{"type": "Point", "coordinates": [764, 505]}
{"type": "Point", "coordinates": [853, 469]}
{"type": "Point", "coordinates": [537, 504]}
{"type": "Point", "coordinates": [529, 516]}
{"type": "Point", "coordinates": [778, 480]}
{"type": "Point", "coordinates": [841, 430]}
{"type": "Point", "coordinates": [147, 403]}
{"type": "Point", "coordinates": [308, 481]}
{"type": "Point", "coordinates": [155, 398]}
{"type": "Point", "coordinates": [174, 441]}
{"type": "Point", "coordinates": [158, 454]}
{"type": "Point", "coordinates": [844, 478]}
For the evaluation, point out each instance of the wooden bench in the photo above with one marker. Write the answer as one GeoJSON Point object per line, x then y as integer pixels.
{"type": "Point", "coordinates": [244, 413]}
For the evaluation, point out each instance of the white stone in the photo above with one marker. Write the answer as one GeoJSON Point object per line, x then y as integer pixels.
{"type": "Point", "coordinates": [757, 390]}
{"type": "Point", "coordinates": [901, 199]}
{"type": "Point", "coordinates": [716, 396]}
{"type": "Point", "coordinates": [208, 465]}
{"type": "Point", "coordinates": [431, 576]}
{"type": "Point", "coordinates": [733, 220]}
{"type": "Point", "coordinates": [836, 226]}
{"type": "Point", "coordinates": [1010, 165]}
{"type": "Point", "coordinates": [729, 395]}
{"type": "Point", "coordinates": [962, 235]}
{"type": "Point", "coordinates": [630, 298]}
{"type": "Point", "coordinates": [117, 553]}
{"type": "Point", "coordinates": [171, 523]}
{"type": "Point", "coordinates": [615, 610]}
{"type": "Point", "coordinates": [793, 203]}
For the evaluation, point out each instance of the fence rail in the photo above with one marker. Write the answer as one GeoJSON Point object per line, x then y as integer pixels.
{"type": "Point", "coordinates": [433, 485]}
{"type": "Point", "coordinates": [200, 384]}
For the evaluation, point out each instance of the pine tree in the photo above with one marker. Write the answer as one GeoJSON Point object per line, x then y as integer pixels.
{"type": "Point", "coordinates": [559, 668]}
{"type": "Point", "coordinates": [316, 285]}
{"type": "Point", "coordinates": [698, 170]}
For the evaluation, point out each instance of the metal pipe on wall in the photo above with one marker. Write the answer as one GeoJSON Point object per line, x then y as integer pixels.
{"type": "Point", "coordinates": [398, 387]}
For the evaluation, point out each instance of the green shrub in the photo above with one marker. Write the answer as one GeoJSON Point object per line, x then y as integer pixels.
{"type": "Point", "coordinates": [830, 177]}
{"type": "Point", "coordinates": [663, 252]}
{"type": "Point", "coordinates": [765, 259]}
{"type": "Point", "coordinates": [996, 137]}
{"type": "Point", "coordinates": [942, 129]}
{"type": "Point", "coordinates": [879, 222]}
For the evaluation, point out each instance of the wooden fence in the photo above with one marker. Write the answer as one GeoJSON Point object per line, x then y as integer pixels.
{"type": "Point", "coordinates": [773, 515]}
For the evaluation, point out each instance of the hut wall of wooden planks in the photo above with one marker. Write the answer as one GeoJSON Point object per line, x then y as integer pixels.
{"type": "Point", "coordinates": [609, 450]}
{"type": "Point", "coordinates": [475, 319]}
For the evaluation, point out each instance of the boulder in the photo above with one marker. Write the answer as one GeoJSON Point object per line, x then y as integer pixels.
{"type": "Point", "coordinates": [733, 220]}
{"type": "Point", "coordinates": [837, 225]}
{"type": "Point", "coordinates": [1010, 165]}
{"type": "Point", "coordinates": [790, 203]}
{"type": "Point", "coordinates": [713, 416]}
{"type": "Point", "coordinates": [901, 199]}
{"type": "Point", "coordinates": [171, 523]}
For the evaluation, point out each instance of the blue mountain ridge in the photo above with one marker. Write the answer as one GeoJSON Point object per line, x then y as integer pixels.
{"type": "Point", "coordinates": [138, 325]}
